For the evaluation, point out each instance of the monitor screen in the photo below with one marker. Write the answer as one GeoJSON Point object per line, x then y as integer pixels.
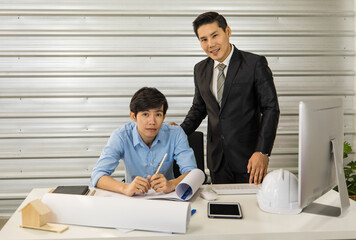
{"type": "Point", "coordinates": [320, 123]}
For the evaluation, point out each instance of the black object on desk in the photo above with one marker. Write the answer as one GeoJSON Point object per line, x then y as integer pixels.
{"type": "Point", "coordinates": [224, 210]}
{"type": "Point", "coordinates": [79, 190]}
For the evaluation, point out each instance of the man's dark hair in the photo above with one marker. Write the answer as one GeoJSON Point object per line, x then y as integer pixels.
{"type": "Point", "coordinates": [148, 98]}
{"type": "Point", "coordinates": [207, 18]}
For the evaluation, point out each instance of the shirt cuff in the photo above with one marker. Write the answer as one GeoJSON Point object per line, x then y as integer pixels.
{"type": "Point", "coordinates": [95, 178]}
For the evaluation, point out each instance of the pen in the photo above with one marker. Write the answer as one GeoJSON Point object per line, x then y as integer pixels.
{"type": "Point", "coordinates": [159, 167]}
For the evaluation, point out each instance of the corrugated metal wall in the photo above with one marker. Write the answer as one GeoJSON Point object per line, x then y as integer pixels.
{"type": "Point", "coordinates": [68, 70]}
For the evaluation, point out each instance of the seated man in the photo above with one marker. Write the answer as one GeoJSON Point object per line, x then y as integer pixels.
{"type": "Point", "coordinates": [142, 145]}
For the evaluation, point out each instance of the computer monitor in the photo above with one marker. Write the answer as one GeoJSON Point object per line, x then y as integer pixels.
{"type": "Point", "coordinates": [321, 138]}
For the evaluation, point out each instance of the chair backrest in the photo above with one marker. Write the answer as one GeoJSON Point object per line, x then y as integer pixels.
{"type": "Point", "coordinates": [196, 142]}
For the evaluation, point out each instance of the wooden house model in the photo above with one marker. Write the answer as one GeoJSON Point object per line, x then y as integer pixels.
{"type": "Point", "coordinates": [35, 214]}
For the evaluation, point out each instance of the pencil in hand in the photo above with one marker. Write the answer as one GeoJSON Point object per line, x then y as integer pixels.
{"type": "Point", "coordinates": [160, 165]}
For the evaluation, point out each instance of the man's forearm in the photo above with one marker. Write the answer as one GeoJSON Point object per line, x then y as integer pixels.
{"type": "Point", "coordinates": [108, 183]}
{"type": "Point", "coordinates": [177, 180]}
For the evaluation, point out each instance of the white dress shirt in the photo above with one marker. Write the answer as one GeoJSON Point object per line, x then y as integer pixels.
{"type": "Point", "coordinates": [214, 82]}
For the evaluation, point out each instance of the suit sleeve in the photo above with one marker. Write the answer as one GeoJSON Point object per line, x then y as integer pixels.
{"type": "Point", "coordinates": [269, 107]}
{"type": "Point", "coordinates": [197, 111]}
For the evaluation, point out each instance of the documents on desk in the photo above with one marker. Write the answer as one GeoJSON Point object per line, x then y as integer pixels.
{"type": "Point", "coordinates": [113, 212]}
{"type": "Point", "coordinates": [120, 211]}
{"type": "Point", "coordinates": [185, 189]}
{"type": "Point", "coordinates": [256, 224]}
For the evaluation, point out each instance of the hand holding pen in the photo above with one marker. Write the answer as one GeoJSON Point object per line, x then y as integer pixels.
{"type": "Point", "coordinates": [159, 183]}
{"type": "Point", "coordinates": [141, 185]}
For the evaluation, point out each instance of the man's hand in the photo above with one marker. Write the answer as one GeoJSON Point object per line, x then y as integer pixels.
{"type": "Point", "coordinates": [173, 124]}
{"type": "Point", "coordinates": [257, 167]}
{"type": "Point", "coordinates": [159, 183]}
{"type": "Point", "coordinates": [139, 185]}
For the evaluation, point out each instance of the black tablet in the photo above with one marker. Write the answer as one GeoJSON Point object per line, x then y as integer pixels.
{"type": "Point", "coordinates": [80, 190]}
{"type": "Point", "coordinates": [224, 210]}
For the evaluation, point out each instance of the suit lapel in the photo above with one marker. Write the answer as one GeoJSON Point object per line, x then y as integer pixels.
{"type": "Point", "coordinates": [234, 66]}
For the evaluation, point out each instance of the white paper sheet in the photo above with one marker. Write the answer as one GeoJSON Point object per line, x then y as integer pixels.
{"type": "Point", "coordinates": [193, 180]}
{"type": "Point", "coordinates": [190, 183]}
{"type": "Point", "coordinates": [114, 212]}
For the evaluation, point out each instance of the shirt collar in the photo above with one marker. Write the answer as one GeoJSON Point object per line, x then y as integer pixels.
{"type": "Point", "coordinates": [138, 140]}
{"type": "Point", "coordinates": [159, 136]}
{"type": "Point", "coordinates": [227, 60]}
{"type": "Point", "coordinates": [136, 136]}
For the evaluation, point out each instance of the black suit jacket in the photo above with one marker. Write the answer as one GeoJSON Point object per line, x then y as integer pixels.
{"type": "Point", "coordinates": [248, 118]}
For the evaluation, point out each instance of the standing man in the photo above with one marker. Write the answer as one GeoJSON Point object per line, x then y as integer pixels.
{"type": "Point", "coordinates": [236, 90]}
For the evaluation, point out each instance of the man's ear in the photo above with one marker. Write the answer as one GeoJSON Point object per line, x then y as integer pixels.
{"type": "Point", "coordinates": [133, 117]}
{"type": "Point", "coordinates": [228, 31]}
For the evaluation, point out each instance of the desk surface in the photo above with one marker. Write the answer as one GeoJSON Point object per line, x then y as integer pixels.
{"type": "Point", "coordinates": [255, 224]}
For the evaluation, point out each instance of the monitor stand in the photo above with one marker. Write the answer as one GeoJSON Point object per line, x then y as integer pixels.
{"type": "Point", "coordinates": [328, 210]}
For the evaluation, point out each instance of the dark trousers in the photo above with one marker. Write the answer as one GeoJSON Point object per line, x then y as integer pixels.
{"type": "Point", "coordinates": [226, 174]}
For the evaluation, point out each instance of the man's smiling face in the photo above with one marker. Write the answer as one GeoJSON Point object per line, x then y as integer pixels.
{"type": "Point", "coordinates": [215, 41]}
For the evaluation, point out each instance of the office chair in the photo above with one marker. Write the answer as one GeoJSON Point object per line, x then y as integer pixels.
{"type": "Point", "coordinates": [196, 142]}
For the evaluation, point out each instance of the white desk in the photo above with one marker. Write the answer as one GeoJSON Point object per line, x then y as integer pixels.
{"type": "Point", "coordinates": [255, 224]}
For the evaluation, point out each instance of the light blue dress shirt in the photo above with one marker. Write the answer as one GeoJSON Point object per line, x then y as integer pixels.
{"type": "Point", "coordinates": [140, 160]}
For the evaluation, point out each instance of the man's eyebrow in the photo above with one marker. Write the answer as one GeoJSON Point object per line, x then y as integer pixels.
{"type": "Point", "coordinates": [154, 110]}
{"type": "Point", "coordinates": [211, 34]}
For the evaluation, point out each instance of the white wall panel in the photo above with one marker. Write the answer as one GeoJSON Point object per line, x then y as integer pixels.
{"type": "Point", "coordinates": [157, 64]}
{"type": "Point", "coordinates": [115, 105]}
{"type": "Point", "coordinates": [184, 7]}
{"type": "Point", "coordinates": [173, 26]}
{"type": "Point", "coordinates": [68, 70]}
{"type": "Point", "coordinates": [298, 44]}
{"type": "Point", "coordinates": [125, 86]}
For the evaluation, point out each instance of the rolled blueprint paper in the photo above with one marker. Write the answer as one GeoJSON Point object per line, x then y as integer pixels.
{"type": "Point", "coordinates": [190, 184]}
{"type": "Point", "coordinates": [185, 190]}
{"type": "Point", "coordinates": [123, 212]}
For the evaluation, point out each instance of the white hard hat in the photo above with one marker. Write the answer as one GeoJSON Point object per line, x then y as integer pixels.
{"type": "Point", "coordinates": [279, 193]}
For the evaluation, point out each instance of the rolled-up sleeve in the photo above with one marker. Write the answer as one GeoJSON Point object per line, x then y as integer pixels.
{"type": "Point", "coordinates": [109, 158]}
{"type": "Point", "coordinates": [183, 153]}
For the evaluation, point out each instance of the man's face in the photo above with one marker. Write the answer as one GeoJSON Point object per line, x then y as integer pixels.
{"type": "Point", "coordinates": [149, 123]}
{"type": "Point", "coordinates": [214, 41]}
